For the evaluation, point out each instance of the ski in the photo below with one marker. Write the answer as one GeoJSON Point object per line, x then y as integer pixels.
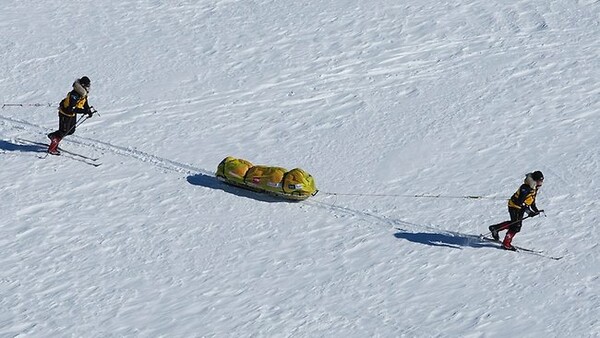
{"type": "Point", "coordinates": [94, 159]}
{"type": "Point", "coordinates": [71, 157]}
{"type": "Point", "coordinates": [539, 253]}
{"type": "Point", "coordinates": [500, 242]}
{"type": "Point", "coordinates": [79, 158]}
{"type": "Point", "coordinates": [45, 145]}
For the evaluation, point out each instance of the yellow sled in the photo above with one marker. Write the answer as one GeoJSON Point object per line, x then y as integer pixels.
{"type": "Point", "coordinates": [295, 184]}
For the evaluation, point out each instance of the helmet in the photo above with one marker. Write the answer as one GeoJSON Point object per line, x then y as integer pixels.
{"type": "Point", "coordinates": [85, 81]}
{"type": "Point", "coordinates": [537, 176]}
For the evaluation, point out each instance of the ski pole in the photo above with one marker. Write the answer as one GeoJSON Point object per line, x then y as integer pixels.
{"type": "Point", "coordinates": [507, 224]}
{"type": "Point", "coordinates": [26, 105]}
{"type": "Point", "coordinates": [82, 119]}
{"type": "Point", "coordinates": [79, 122]}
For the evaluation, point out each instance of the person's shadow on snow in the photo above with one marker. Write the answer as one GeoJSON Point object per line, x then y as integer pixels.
{"type": "Point", "coordinates": [450, 240]}
{"type": "Point", "coordinates": [212, 182]}
{"type": "Point", "coordinates": [8, 146]}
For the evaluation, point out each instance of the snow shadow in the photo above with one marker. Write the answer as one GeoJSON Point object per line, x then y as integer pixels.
{"type": "Point", "coordinates": [212, 182]}
{"type": "Point", "coordinates": [23, 148]}
{"type": "Point", "coordinates": [443, 238]}
{"type": "Point", "coordinates": [450, 240]}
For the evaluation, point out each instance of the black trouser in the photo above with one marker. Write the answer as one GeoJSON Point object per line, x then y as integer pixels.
{"type": "Point", "coordinates": [516, 216]}
{"type": "Point", "coordinates": [66, 126]}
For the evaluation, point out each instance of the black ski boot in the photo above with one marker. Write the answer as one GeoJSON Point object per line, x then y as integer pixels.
{"type": "Point", "coordinates": [494, 233]}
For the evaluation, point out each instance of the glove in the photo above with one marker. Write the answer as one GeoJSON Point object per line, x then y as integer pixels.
{"type": "Point", "coordinates": [90, 112]}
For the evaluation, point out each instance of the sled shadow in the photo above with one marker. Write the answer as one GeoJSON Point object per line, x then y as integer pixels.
{"type": "Point", "coordinates": [22, 148]}
{"type": "Point", "coordinates": [213, 183]}
{"type": "Point", "coordinates": [449, 240]}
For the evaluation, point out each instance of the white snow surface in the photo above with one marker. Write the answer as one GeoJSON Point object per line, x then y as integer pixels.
{"type": "Point", "coordinates": [381, 101]}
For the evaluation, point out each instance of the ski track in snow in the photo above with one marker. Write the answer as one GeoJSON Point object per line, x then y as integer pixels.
{"type": "Point", "coordinates": [170, 165]}
{"type": "Point", "coordinates": [100, 146]}
{"type": "Point", "coordinates": [379, 98]}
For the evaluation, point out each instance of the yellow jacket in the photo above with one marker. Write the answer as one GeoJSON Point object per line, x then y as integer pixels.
{"type": "Point", "coordinates": [525, 195]}
{"type": "Point", "coordinates": [75, 102]}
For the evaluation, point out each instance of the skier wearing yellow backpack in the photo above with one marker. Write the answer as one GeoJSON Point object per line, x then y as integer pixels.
{"type": "Point", "coordinates": [75, 103]}
{"type": "Point", "coordinates": [522, 202]}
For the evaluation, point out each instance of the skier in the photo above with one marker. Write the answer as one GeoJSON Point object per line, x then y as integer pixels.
{"type": "Point", "coordinates": [75, 103]}
{"type": "Point", "coordinates": [522, 202]}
